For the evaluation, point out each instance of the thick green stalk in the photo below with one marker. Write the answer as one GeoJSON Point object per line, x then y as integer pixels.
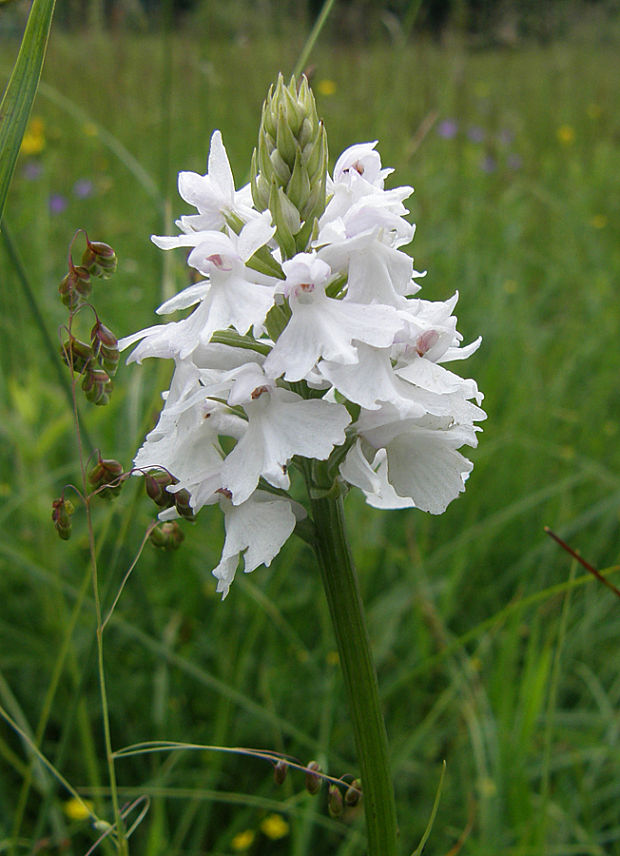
{"type": "Point", "coordinates": [347, 614]}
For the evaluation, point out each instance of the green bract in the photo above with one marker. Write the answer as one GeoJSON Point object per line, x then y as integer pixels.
{"type": "Point", "coordinates": [289, 165]}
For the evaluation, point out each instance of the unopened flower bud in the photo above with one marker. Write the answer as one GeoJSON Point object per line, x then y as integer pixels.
{"type": "Point", "coordinates": [335, 804]}
{"type": "Point", "coordinates": [99, 259]}
{"type": "Point", "coordinates": [105, 347]}
{"type": "Point", "coordinates": [291, 161]}
{"type": "Point", "coordinates": [75, 287]}
{"type": "Point", "coordinates": [313, 781]}
{"type": "Point", "coordinates": [279, 772]}
{"type": "Point", "coordinates": [167, 536]}
{"type": "Point", "coordinates": [62, 509]}
{"type": "Point", "coordinates": [105, 472]}
{"type": "Point", "coordinates": [353, 794]}
{"type": "Point", "coordinates": [156, 483]}
{"type": "Point", "coordinates": [97, 386]}
{"type": "Point", "coordinates": [76, 354]}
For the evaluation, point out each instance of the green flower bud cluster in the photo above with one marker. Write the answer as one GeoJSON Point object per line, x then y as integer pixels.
{"type": "Point", "coordinates": [98, 361]}
{"type": "Point", "coordinates": [289, 165]}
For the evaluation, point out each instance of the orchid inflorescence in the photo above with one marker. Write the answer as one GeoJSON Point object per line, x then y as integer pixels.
{"type": "Point", "coordinates": [307, 348]}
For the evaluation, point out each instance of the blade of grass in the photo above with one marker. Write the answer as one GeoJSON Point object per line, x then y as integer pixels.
{"type": "Point", "coordinates": [48, 342]}
{"type": "Point", "coordinates": [21, 90]}
{"type": "Point", "coordinates": [312, 38]}
{"type": "Point", "coordinates": [431, 820]}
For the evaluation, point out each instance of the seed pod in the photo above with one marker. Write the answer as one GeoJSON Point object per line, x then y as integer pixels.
{"type": "Point", "coordinates": [105, 347]}
{"type": "Point", "coordinates": [75, 287]}
{"type": "Point", "coordinates": [313, 782]}
{"type": "Point", "coordinates": [155, 484]}
{"type": "Point", "coordinates": [62, 509]}
{"type": "Point", "coordinates": [182, 504]}
{"type": "Point", "coordinates": [97, 386]}
{"type": "Point", "coordinates": [279, 772]}
{"type": "Point", "coordinates": [167, 536]}
{"type": "Point", "coordinates": [353, 794]}
{"type": "Point", "coordinates": [76, 354]}
{"type": "Point", "coordinates": [99, 259]}
{"type": "Point", "coordinates": [335, 805]}
{"type": "Point", "coordinates": [106, 472]}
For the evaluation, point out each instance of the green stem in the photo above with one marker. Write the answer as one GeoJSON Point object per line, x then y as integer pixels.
{"type": "Point", "coordinates": [347, 614]}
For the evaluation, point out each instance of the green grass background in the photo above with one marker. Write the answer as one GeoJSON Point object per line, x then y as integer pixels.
{"type": "Point", "coordinates": [494, 650]}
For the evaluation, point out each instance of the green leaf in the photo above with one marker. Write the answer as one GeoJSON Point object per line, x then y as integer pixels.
{"type": "Point", "coordinates": [21, 90]}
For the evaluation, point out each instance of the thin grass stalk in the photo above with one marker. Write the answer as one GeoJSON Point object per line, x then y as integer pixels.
{"type": "Point", "coordinates": [119, 824]}
{"type": "Point", "coordinates": [313, 37]}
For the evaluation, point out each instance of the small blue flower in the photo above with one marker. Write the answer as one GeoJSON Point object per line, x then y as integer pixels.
{"type": "Point", "coordinates": [83, 188]}
{"type": "Point", "coordinates": [447, 129]}
{"type": "Point", "coordinates": [57, 203]}
{"type": "Point", "coordinates": [32, 170]}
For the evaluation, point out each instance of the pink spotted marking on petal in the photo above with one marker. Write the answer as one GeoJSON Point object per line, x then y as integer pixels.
{"type": "Point", "coordinates": [225, 492]}
{"type": "Point", "coordinates": [357, 166]}
{"type": "Point", "coordinates": [258, 392]}
{"type": "Point", "coordinates": [218, 262]}
{"type": "Point", "coordinates": [306, 286]}
{"type": "Point", "coordinates": [426, 341]}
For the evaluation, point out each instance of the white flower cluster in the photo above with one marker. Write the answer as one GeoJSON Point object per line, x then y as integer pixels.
{"type": "Point", "coordinates": [366, 355]}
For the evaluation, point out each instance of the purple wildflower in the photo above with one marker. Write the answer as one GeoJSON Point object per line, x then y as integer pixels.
{"type": "Point", "coordinates": [32, 170]}
{"type": "Point", "coordinates": [57, 203]}
{"type": "Point", "coordinates": [447, 129]}
{"type": "Point", "coordinates": [83, 188]}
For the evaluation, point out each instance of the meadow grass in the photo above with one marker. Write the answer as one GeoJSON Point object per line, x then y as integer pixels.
{"type": "Point", "coordinates": [495, 651]}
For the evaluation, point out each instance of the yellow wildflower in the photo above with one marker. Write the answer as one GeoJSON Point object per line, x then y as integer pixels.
{"type": "Point", "coordinates": [274, 826]}
{"type": "Point", "coordinates": [78, 809]}
{"type": "Point", "coordinates": [566, 134]}
{"type": "Point", "coordinates": [33, 142]}
{"type": "Point", "coordinates": [326, 87]}
{"type": "Point", "coordinates": [243, 840]}
{"type": "Point", "coordinates": [599, 221]}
